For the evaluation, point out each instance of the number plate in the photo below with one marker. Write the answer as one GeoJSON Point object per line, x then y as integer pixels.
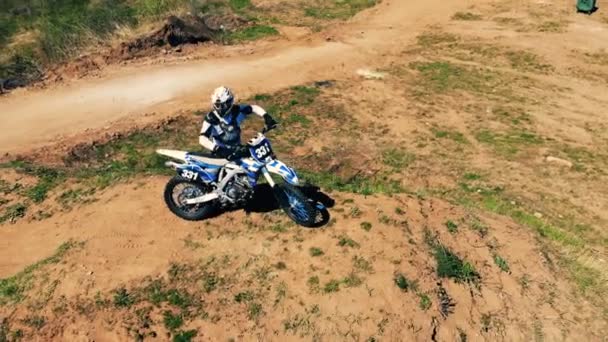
{"type": "Point", "coordinates": [191, 175]}
{"type": "Point", "coordinates": [262, 151]}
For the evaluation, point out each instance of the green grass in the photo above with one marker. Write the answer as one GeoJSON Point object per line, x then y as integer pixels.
{"type": "Point", "coordinates": [404, 283]}
{"type": "Point", "coordinates": [345, 241]}
{"type": "Point", "coordinates": [8, 27]}
{"type": "Point", "coordinates": [313, 284]}
{"type": "Point", "coordinates": [358, 184]}
{"type": "Point", "coordinates": [430, 39]}
{"type": "Point", "coordinates": [242, 297]}
{"type": "Point", "coordinates": [240, 4]}
{"type": "Point", "coordinates": [510, 143]}
{"type": "Point", "coordinates": [352, 280]}
{"type": "Point", "coordinates": [397, 159]}
{"type": "Point", "coordinates": [297, 118]}
{"type": "Point", "coordinates": [76, 196]}
{"type": "Point", "coordinates": [65, 27]}
{"type": "Point", "coordinates": [366, 226]}
{"type": "Point", "coordinates": [449, 134]}
{"type": "Point", "coordinates": [343, 9]}
{"type": "Point", "coordinates": [513, 116]}
{"type": "Point", "coordinates": [332, 286]}
{"type": "Point", "coordinates": [588, 280]}
{"type": "Point", "coordinates": [527, 61]}
{"type": "Point", "coordinates": [500, 203]}
{"type": "Point", "coordinates": [48, 179]}
{"type": "Point", "coordinates": [449, 265]}
{"type": "Point", "coordinates": [279, 228]}
{"type": "Point", "coordinates": [355, 212]}
{"type": "Point", "coordinates": [155, 8]}
{"type": "Point", "coordinates": [254, 310]}
{"type": "Point", "coordinates": [123, 299]}
{"type": "Point", "coordinates": [172, 321]}
{"type": "Point", "coordinates": [13, 212]}
{"type": "Point", "coordinates": [563, 235]}
{"type": "Point", "coordinates": [451, 226]}
{"type": "Point", "coordinates": [179, 299]}
{"type": "Point", "coordinates": [442, 77]}
{"type": "Point", "coordinates": [185, 336]}
{"type": "Point", "coordinates": [315, 252]}
{"type": "Point", "coordinates": [501, 263]}
{"type": "Point", "coordinates": [251, 33]}
{"type": "Point", "coordinates": [471, 176]}
{"type": "Point", "coordinates": [363, 265]}
{"type": "Point", "coordinates": [466, 16]}
{"type": "Point", "coordinates": [425, 301]}
{"type": "Point", "coordinates": [13, 289]}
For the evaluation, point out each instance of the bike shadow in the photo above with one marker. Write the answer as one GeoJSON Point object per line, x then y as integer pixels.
{"type": "Point", "coordinates": [264, 201]}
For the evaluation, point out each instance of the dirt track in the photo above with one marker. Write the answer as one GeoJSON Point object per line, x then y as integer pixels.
{"type": "Point", "coordinates": [32, 118]}
{"type": "Point", "coordinates": [131, 238]}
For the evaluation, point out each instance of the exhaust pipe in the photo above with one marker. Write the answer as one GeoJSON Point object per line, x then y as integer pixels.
{"type": "Point", "coordinates": [172, 165]}
{"type": "Point", "coordinates": [203, 199]}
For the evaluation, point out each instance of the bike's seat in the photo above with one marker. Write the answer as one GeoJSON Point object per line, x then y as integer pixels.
{"type": "Point", "coordinates": [207, 158]}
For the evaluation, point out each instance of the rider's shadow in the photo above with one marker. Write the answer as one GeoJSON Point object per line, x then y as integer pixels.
{"type": "Point", "coordinates": [264, 201]}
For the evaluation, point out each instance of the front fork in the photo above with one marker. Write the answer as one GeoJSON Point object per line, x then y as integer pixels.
{"type": "Point", "coordinates": [268, 177]}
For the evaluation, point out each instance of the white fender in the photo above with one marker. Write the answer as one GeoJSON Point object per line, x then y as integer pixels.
{"type": "Point", "coordinates": [279, 168]}
{"type": "Point", "coordinates": [175, 154]}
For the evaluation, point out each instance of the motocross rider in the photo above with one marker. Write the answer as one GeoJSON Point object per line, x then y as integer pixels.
{"type": "Point", "coordinates": [221, 131]}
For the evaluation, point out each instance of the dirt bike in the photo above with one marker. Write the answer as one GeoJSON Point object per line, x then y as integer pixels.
{"type": "Point", "coordinates": [204, 184]}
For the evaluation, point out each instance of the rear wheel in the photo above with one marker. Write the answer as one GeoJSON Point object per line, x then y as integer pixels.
{"type": "Point", "coordinates": [180, 189]}
{"type": "Point", "coordinates": [296, 205]}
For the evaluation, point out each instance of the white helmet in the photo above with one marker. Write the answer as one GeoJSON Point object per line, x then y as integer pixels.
{"type": "Point", "coordinates": [222, 100]}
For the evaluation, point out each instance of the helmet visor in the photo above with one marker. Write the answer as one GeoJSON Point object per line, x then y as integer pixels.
{"type": "Point", "coordinates": [223, 107]}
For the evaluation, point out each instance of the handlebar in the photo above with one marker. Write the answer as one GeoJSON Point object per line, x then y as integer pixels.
{"type": "Point", "coordinates": [266, 130]}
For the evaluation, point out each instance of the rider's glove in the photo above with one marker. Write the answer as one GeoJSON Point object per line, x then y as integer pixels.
{"type": "Point", "coordinates": [239, 152]}
{"type": "Point", "coordinates": [222, 151]}
{"type": "Point", "coordinates": [269, 122]}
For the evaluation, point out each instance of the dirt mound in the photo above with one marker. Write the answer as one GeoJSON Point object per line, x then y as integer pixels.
{"type": "Point", "coordinates": [175, 32]}
{"type": "Point", "coordinates": [258, 275]}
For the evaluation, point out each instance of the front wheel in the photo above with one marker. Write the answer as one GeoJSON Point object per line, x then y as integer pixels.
{"type": "Point", "coordinates": [180, 189]}
{"type": "Point", "coordinates": [296, 205]}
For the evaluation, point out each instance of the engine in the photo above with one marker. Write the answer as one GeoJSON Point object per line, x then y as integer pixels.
{"type": "Point", "coordinates": [238, 189]}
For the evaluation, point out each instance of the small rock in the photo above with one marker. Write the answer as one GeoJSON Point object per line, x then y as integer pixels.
{"type": "Point", "coordinates": [370, 74]}
{"type": "Point", "coordinates": [559, 161]}
{"type": "Point", "coordinates": [90, 273]}
{"type": "Point", "coordinates": [325, 83]}
{"type": "Point", "coordinates": [538, 215]}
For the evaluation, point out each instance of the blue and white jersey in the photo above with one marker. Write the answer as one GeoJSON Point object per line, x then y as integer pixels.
{"type": "Point", "coordinates": [226, 131]}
